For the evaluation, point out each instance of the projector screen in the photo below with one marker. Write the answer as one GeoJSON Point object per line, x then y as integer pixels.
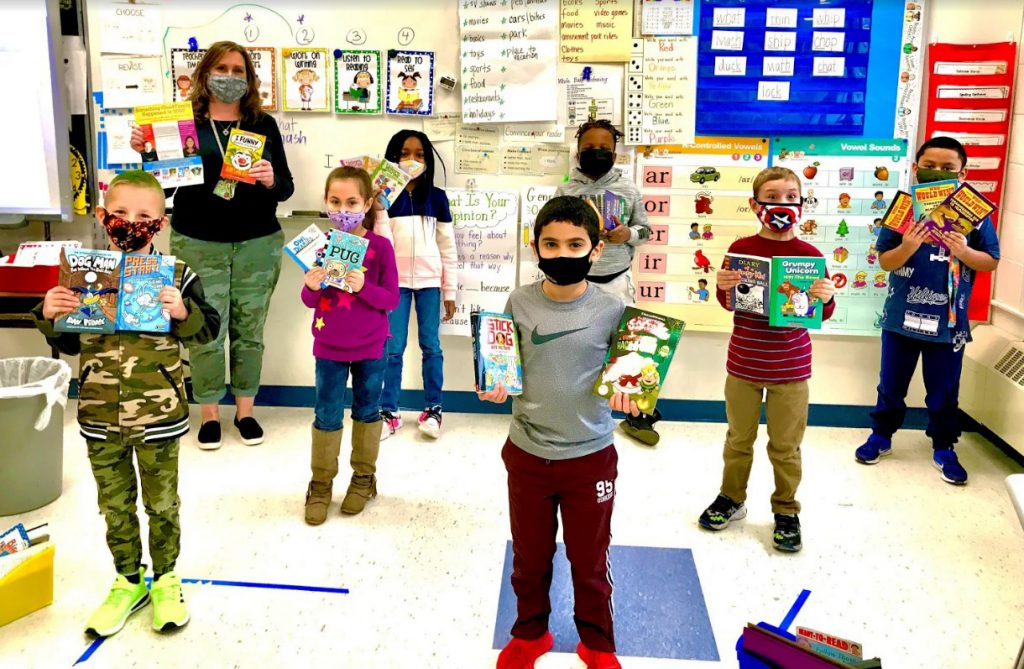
{"type": "Point", "coordinates": [35, 164]}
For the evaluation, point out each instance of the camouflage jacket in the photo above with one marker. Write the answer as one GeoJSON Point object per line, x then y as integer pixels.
{"type": "Point", "coordinates": [133, 379]}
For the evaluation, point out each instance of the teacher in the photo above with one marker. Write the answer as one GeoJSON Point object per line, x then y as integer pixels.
{"type": "Point", "coordinates": [229, 234]}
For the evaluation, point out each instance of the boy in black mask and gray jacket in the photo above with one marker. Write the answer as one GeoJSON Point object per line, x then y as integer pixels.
{"type": "Point", "coordinates": [597, 175]}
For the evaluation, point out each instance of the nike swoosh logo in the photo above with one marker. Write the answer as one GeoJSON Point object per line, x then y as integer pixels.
{"type": "Point", "coordinates": [539, 339]}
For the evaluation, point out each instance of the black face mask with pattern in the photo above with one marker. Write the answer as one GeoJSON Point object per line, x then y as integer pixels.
{"type": "Point", "coordinates": [128, 235]}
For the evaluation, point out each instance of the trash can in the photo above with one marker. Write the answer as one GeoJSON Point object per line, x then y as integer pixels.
{"type": "Point", "coordinates": [33, 394]}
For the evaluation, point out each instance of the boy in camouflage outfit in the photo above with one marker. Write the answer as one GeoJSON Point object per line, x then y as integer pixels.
{"type": "Point", "coordinates": [132, 400]}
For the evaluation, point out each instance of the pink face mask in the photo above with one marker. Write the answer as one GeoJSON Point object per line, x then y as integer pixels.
{"type": "Point", "coordinates": [346, 221]}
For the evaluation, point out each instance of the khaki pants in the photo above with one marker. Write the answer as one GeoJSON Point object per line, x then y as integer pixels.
{"type": "Point", "coordinates": [786, 410]}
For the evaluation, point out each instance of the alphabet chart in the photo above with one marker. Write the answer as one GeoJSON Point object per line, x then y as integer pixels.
{"type": "Point", "coordinates": [848, 184]}
{"type": "Point", "coordinates": [697, 201]}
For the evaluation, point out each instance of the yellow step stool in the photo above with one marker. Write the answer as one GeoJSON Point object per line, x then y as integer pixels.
{"type": "Point", "coordinates": [28, 588]}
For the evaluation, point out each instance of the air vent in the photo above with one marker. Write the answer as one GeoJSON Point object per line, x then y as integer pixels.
{"type": "Point", "coordinates": [1011, 364]}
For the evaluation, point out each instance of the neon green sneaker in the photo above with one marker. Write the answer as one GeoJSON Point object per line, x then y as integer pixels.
{"type": "Point", "coordinates": [169, 610]}
{"type": "Point", "coordinates": [125, 598]}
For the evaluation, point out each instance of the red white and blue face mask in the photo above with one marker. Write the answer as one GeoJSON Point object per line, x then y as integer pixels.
{"type": "Point", "coordinates": [779, 217]}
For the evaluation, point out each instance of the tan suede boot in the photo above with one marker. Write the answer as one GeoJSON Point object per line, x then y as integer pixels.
{"type": "Point", "coordinates": [365, 447]}
{"type": "Point", "coordinates": [324, 463]}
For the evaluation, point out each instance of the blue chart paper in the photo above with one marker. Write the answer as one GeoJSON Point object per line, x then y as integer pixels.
{"type": "Point", "coordinates": [750, 95]}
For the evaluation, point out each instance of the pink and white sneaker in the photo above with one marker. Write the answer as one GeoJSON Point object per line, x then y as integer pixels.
{"type": "Point", "coordinates": [390, 423]}
{"type": "Point", "coordinates": [430, 422]}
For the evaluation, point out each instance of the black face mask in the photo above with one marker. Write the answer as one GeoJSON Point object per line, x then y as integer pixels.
{"type": "Point", "coordinates": [563, 271]}
{"type": "Point", "coordinates": [596, 162]}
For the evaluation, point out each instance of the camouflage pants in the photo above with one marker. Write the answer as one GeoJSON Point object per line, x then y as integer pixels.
{"type": "Point", "coordinates": [238, 279]}
{"type": "Point", "coordinates": [117, 494]}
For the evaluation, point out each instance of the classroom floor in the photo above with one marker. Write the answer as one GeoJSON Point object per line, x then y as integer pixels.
{"type": "Point", "coordinates": [922, 573]}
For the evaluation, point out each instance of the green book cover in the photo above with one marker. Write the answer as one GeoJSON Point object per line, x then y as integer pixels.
{"type": "Point", "coordinates": [791, 304]}
{"type": "Point", "coordinates": [639, 357]}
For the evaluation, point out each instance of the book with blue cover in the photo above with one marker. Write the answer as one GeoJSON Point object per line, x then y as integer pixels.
{"type": "Point", "coordinates": [307, 248]}
{"type": "Point", "coordinates": [143, 276]}
{"type": "Point", "coordinates": [496, 354]}
{"type": "Point", "coordinates": [344, 252]}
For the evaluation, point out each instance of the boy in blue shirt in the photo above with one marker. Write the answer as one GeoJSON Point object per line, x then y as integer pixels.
{"type": "Point", "coordinates": [925, 316]}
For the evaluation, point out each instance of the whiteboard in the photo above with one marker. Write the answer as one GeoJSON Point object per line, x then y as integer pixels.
{"type": "Point", "coordinates": [35, 171]}
{"type": "Point", "coordinates": [315, 141]}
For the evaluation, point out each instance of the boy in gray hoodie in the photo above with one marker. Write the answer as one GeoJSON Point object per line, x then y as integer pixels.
{"type": "Point", "coordinates": [597, 175]}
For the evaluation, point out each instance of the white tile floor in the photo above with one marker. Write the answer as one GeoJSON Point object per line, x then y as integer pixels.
{"type": "Point", "coordinates": [923, 573]}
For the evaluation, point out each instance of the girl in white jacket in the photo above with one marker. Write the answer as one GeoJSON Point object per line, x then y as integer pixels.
{"type": "Point", "coordinates": [424, 239]}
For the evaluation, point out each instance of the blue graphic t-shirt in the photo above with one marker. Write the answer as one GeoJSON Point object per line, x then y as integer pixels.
{"type": "Point", "coordinates": [918, 301]}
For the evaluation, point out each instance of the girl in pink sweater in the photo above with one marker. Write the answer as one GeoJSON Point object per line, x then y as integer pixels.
{"type": "Point", "coordinates": [350, 330]}
{"type": "Point", "coordinates": [422, 230]}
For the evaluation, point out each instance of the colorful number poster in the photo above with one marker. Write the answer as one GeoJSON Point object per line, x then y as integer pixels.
{"type": "Point", "coordinates": [264, 64]}
{"type": "Point", "coordinates": [661, 91]}
{"type": "Point", "coordinates": [509, 52]}
{"type": "Point", "coordinates": [596, 32]}
{"type": "Point", "coordinates": [183, 63]}
{"type": "Point", "coordinates": [305, 79]}
{"type": "Point", "coordinates": [485, 224]}
{"type": "Point", "coordinates": [697, 201]}
{"type": "Point", "coordinates": [532, 199]}
{"type": "Point", "coordinates": [170, 143]}
{"type": "Point", "coordinates": [357, 82]}
{"type": "Point", "coordinates": [848, 184]}
{"type": "Point", "coordinates": [410, 85]}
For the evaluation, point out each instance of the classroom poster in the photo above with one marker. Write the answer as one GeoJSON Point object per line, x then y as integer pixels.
{"type": "Point", "coordinates": [508, 61]}
{"type": "Point", "coordinates": [130, 81]}
{"type": "Point", "coordinates": [592, 32]}
{"type": "Point", "coordinates": [534, 160]}
{"type": "Point", "coordinates": [304, 78]}
{"type": "Point", "coordinates": [410, 83]}
{"type": "Point", "coordinates": [183, 64]}
{"type": "Point", "coordinates": [697, 201]}
{"type": "Point", "coordinates": [134, 29]}
{"type": "Point", "coordinates": [661, 91]}
{"type": "Point", "coordinates": [485, 236]}
{"type": "Point", "coordinates": [441, 126]}
{"type": "Point", "coordinates": [264, 64]}
{"type": "Point", "coordinates": [591, 92]}
{"type": "Point", "coordinates": [170, 143]}
{"type": "Point", "coordinates": [476, 149]}
{"type": "Point", "coordinates": [908, 90]}
{"type": "Point", "coordinates": [848, 184]}
{"type": "Point", "coordinates": [532, 198]}
{"type": "Point", "coordinates": [357, 82]}
{"type": "Point", "coordinates": [666, 17]}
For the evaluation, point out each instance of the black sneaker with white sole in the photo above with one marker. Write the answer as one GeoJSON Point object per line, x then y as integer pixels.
{"type": "Point", "coordinates": [209, 438]}
{"type": "Point", "coordinates": [249, 430]}
{"type": "Point", "coordinates": [787, 533]}
{"type": "Point", "coordinates": [722, 512]}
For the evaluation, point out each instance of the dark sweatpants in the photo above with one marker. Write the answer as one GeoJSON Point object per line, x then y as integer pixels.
{"type": "Point", "coordinates": [584, 489]}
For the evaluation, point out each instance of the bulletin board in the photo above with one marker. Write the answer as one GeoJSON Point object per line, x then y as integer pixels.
{"type": "Point", "coordinates": [801, 67]}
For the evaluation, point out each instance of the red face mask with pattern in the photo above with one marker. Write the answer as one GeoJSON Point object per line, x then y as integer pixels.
{"type": "Point", "coordinates": [128, 235]}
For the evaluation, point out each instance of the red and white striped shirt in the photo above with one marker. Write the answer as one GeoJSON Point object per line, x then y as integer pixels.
{"type": "Point", "coordinates": [757, 351]}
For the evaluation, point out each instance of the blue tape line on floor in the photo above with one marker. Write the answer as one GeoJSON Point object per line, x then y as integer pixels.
{"type": "Point", "coordinates": [231, 584]}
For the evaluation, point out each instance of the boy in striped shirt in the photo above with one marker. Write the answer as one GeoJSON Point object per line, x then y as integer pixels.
{"type": "Point", "coordinates": [769, 364]}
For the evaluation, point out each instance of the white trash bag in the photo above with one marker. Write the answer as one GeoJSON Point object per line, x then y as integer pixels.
{"type": "Point", "coordinates": [29, 377]}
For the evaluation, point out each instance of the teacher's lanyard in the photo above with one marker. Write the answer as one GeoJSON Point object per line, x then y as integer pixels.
{"type": "Point", "coordinates": [225, 188]}
{"type": "Point", "coordinates": [953, 287]}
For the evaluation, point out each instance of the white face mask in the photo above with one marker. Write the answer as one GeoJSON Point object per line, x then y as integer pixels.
{"type": "Point", "coordinates": [412, 167]}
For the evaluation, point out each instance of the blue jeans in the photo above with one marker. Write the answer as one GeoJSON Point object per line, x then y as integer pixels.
{"type": "Point", "coordinates": [940, 366]}
{"type": "Point", "coordinates": [331, 379]}
{"type": "Point", "coordinates": [428, 321]}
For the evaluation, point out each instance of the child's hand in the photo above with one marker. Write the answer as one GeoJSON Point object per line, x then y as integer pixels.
{"type": "Point", "coordinates": [263, 172]}
{"type": "Point", "coordinates": [170, 296]}
{"type": "Point", "coordinates": [956, 242]}
{"type": "Point", "coordinates": [355, 280]}
{"type": "Point", "coordinates": [59, 300]}
{"type": "Point", "coordinates": [498, 395]}
{"type": "Point", "coordinates": [315, 277]}
{"type": "Point", "coordinates": [728, 279]}
{"type": "Point", "coordinates": [138, 140]}
{"type": "Point", "coordinates": [823, 289]}
{"type": "Point", "coordinates": [620, 402]}
{"type": "Point", "coordinates": [914, 236]}
{"type": "Point", "coordinates": [449, 310]}
{"type": "Point", "coordinates": [620, 234]}
{"type": "Point", "coordinates": [378, 203]}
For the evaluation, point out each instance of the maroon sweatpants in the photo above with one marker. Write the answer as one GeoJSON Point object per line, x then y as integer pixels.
{"type": "Point", "coordinates": [584, 488]}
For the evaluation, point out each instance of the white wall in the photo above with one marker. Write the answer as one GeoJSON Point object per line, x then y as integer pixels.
{"type": "Point", "coordinates": [846, 368]}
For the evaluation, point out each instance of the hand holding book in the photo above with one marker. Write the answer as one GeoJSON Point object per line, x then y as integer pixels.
{"type": "Point", "coordinates": [170, 297]}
